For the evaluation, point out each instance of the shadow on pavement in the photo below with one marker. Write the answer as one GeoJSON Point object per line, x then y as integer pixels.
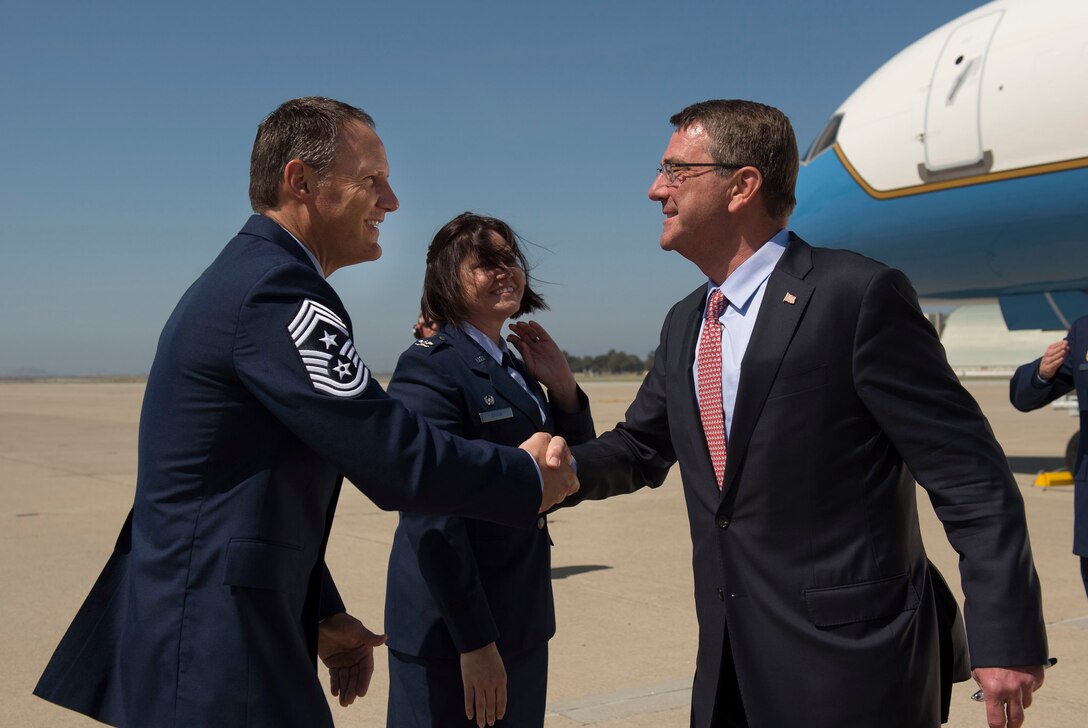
{"type": "Point", "coordinates": [562, 572]}
{"type": "Point", "coordinates": [1032, 464]}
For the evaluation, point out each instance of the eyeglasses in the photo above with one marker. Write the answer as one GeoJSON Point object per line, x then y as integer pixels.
{"type": "Point", "coordinates": [674, 171]}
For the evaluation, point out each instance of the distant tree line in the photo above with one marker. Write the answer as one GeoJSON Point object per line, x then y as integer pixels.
{"type": "Point", "coordinates": [614, 362]}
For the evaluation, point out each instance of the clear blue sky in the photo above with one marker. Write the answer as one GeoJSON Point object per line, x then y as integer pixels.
{"type": "Point", "coordinates": [128, 126]}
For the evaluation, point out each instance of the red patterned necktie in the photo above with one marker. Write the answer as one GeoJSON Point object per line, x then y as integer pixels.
{"type": "Point", "coordinates": [709, 367]}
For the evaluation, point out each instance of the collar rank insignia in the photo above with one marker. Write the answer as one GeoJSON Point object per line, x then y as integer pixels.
{"type": "Point", "coordinates": [425, 343]}
{"type": "Point", "coordinates": [324, 343]}
{"type": "Point", "coordinates": [489, 400]}
{"type": "Point", "coordinates": [481, 359]}
{"type": "Point", "coordinates": [789, 298]}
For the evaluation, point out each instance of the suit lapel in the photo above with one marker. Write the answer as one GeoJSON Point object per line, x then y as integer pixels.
{"type": "Point", "coordinates": [690, 316]}
{"type": "Point", "coordinates": [483, 365]}
{"type": "Point", "coordinates": [534, 385]}
{"type": "Point", "coordinates": [784, 302]}
{"type": "Point", "coordinates": [508, 387]}
{"type": "Point", "coordinates": [683, 337]}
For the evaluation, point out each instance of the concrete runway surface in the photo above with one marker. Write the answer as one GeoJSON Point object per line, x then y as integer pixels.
{"type": "Point", "coordinates": [625, 647]}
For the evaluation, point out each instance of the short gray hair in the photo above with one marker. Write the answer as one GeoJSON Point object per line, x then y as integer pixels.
{"type": "Point", "coordinates": [307, 129]}
{"type": "Point", "coordinates": [750, 133]}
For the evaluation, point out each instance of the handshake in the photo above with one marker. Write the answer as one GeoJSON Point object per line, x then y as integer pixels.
{"type": "Point", "coordinates": [554, 460]}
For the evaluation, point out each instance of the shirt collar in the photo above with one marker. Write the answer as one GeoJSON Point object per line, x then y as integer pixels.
{"type": "Point", "coordinates": [495, 350]}
{"type": "Point", "coordinates": [742, 284]}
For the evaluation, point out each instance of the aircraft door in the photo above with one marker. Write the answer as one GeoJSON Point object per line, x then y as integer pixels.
{"type": "Point", "coordinates": [952, 132]}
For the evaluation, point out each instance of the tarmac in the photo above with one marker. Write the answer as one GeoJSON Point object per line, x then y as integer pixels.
{"type": "Point", "coordinates": [625, 647]}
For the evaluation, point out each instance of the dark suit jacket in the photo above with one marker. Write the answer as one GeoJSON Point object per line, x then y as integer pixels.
{"type": "Point", "coordinates": [257, 401]}
{"type": "Point", "coordinates": [457, 584]}
{"type": "Point", "coordinates": [811, 555]}
{"type": "Point", "coordinates": [1026, 394]}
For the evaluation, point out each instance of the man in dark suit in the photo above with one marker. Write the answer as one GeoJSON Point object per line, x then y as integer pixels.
{"type": "Point", "coordinates": [257, 405]}
{"type": "Point", "coordinates": [1062, 368]}
{"type": "Point", "coordinates": [792, 388]}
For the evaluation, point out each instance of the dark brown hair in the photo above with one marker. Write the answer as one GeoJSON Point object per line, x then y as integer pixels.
{"type": "Point", "coordinates": [466, 236]}
{"type": "Point", "coordinates": [307, 129]}
{"type": "Point", "coordinates": [750, 133]}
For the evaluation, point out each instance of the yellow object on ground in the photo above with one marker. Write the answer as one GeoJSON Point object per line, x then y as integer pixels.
{"type": "Point", "coordinates": [1055, 477]}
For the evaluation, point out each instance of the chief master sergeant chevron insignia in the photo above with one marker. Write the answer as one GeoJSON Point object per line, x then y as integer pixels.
{"type": "Point", "coordinates": [327, 353]}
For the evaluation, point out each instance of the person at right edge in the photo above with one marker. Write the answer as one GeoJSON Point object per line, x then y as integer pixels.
{"type": "Point", "coordinates": [793, 387]}
{"type": "Point", "coordinates": [1062, 368]}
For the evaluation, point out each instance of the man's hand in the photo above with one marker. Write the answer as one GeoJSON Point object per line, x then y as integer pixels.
{"type": "Point", "coordinates": [1007, 692]}
{"type": "Point", "coordinates": [346, 647]}
{"type": "Point", "coordinates": [1052, 359]}
{"type": "Point", "coordinates": [553, 457]}
{"type": "Point", "coordinates": [484, 677]}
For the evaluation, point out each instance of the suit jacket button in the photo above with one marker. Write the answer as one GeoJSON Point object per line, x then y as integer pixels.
{"type": "Point", "coordinates": [540, 522]}
{"type": "Point", "coordinates": [721, 594]}
{"type": "Point", "coordinates": [723, 522]}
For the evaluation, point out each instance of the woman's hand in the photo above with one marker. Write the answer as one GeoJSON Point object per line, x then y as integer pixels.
{"type": "Point", "coordinates": [545, 362]}
{"type": "Point", "coordinates": [484, 677]}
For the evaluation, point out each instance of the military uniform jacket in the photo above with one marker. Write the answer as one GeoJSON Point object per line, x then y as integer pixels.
{"type": "Point", "coordinates": [457, 584]}
{"type": "Point", "coordinates": [1027, 393]}
{"type": "Point", "coordinates": [810, 555]}
{"type": "Point", "coordinates": [257, 402]}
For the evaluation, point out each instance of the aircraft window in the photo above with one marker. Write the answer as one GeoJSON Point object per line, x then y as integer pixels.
{"type": "Point", "coordinates": [824, 139]}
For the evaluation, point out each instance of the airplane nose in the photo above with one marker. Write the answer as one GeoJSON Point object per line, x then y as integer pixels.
{"type": "Point", "coordinates": [826, 195]}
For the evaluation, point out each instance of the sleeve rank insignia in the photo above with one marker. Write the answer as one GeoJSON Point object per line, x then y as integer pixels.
{"type": "Point", "coordinates": [324, 343]}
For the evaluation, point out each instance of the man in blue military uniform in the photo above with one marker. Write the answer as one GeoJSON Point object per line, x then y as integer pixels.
{"type": "Point", "coordinates": [257, 405]}
{"type": "Point", "coordinates": [1061, 369]}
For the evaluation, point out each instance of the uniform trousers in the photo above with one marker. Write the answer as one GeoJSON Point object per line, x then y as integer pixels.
{"type": "Point", "coordinates": [427, 692]}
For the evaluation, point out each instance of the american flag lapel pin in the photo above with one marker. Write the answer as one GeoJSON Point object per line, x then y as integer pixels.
{"type": "Point", "coordinates": [789, 298]}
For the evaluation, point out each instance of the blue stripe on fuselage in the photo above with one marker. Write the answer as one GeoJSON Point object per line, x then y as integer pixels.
{"type": "Point", "coordinates": [1014, 236]}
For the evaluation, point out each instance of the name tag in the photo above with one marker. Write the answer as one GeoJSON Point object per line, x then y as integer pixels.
{"type": "Point", "coordinates": [1083, 367]}
{"type": "Point", "coordinates": [495, 415]}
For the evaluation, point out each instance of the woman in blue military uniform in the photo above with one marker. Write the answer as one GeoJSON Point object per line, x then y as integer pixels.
{"type": "Point", "coordinates": [469, 606]}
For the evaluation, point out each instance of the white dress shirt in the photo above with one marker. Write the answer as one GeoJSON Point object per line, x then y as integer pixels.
{"type": "Point", "coordinates": [744, 290]}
